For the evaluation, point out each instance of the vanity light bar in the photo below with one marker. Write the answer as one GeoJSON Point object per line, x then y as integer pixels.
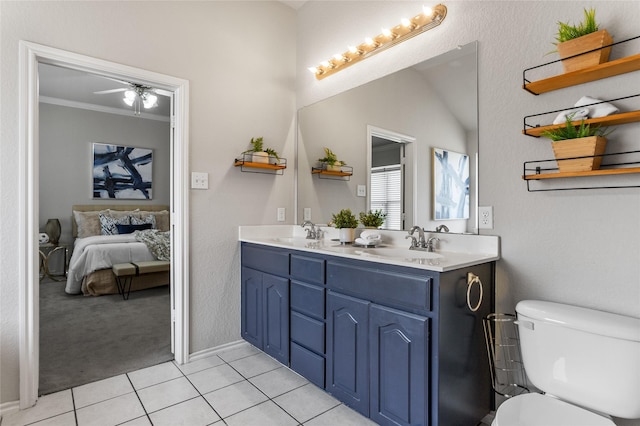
{"type": "Point", "coordinates": [430, 18]}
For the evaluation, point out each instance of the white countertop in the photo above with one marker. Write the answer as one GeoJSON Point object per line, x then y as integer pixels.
{"type": "Point", "coordinates": [453, 251]}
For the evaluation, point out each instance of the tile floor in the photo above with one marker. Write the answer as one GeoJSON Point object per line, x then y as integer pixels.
{"type": "Point", "coordinates": [241, 386]}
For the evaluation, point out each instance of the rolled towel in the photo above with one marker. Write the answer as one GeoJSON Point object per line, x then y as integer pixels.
{"type": "Point", "coordinates": [578, 114]}
{"type": "Point", "coordinates": [369, 234]}
{"type": "Point", "coordinates": [600, 110]}
{"type": "Point", "coordinates": [364, 242]}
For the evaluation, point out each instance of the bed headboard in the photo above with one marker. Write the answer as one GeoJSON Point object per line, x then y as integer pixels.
{"type": "Point", "coordinates": [119, 207]}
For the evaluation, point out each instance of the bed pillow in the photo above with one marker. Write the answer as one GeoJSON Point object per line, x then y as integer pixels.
{"type": "Point", "coordinates": [128, 229]}
{"type": "Point", "coordinates": [162, 218]}
{"type": "Point", "coordinates": [109, 224]}
{"type": "Point", "coordinates": [142, 220]}
{"type": "Point", "coordinates": [87, 223]}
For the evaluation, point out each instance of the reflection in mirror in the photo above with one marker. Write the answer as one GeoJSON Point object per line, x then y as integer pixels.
{"type": "Point", "coordinates": [429, 105]}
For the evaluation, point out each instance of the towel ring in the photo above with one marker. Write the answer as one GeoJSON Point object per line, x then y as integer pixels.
{"type": "Point", "coordinates": [471, 280]}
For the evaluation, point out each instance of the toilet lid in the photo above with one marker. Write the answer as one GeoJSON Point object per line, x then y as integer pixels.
{"type": "Point", "coordinates": [534, 409]}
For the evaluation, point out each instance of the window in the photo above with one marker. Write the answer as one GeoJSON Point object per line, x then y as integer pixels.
{"type": "Point", "coordinates": [386, 194]}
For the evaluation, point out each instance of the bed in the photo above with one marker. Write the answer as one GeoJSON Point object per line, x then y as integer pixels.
{"type": "Point", "coordinates": [109, 234]}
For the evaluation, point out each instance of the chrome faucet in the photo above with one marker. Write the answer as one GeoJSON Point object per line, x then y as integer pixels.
{"type": "Point", "coordinates": [431, 244]}
{"type": "Point", "coordinates": [442, 228]}
{"type": "Point", "coordinates": [420, 243]}
{"type": "Point", "coordinates": [312, 232]}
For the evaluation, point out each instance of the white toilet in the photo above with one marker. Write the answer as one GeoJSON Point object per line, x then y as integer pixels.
{"type": "Point", "coordinates": [586, 362]}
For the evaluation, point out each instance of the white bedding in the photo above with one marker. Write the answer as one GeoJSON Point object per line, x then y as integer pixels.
{"type": "Point", "coordinates": [91, 254]}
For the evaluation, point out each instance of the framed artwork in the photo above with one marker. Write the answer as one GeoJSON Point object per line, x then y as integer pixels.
{"type": "Point", "coordinates": [451, 185]}
{"type": "Point", "coordinates": [122, 172]}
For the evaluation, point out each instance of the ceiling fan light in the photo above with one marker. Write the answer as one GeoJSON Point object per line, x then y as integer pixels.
{"type": "Point", "coordinates": [128, 101]}
{"type": "Point", "coordinates": [130, 94]}
{"type": "Point", "coordinates": [150, 101]}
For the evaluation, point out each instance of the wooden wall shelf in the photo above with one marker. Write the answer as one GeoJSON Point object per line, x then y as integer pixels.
{"type": "Point", "coordinates": [610, 120]}
{"type": "Point", "coordinates": [267, 168]}
{"type": "Point", "coordinates": [345, 172]}
{"type": "Point", "coordinates": [597, 72]}
{"type": "Point", "coordinates": [601, 172]}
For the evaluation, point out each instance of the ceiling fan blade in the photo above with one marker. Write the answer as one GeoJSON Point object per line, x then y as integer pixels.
{"type": "Point", "coordinates": [104, 92]}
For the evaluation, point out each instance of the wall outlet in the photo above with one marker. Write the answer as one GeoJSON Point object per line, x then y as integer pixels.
{"type": "Point", "coordinates": [307, 214]}
{"type": "Point", "coordinates": [485, 217]}
{"type": "Point", "coordinates": [199, 180]}
{"type": "Point", "coordinates": [362, 190]}
{"type": "Point", "coordinates": [281, 214]}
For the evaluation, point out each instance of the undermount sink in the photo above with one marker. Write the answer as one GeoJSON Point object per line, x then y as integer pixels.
{"type": "Point", "coordinates": [399, 253]}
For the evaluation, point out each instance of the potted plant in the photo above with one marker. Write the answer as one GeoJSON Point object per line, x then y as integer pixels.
{"type": "Point", "coordinates": [373, 219]}
{"type": "Point", "coordinates": [259, 154]}
{"type": "Point", "coordinates": [330, 161]}
{"type": "Point", "coordinates": [346, 222]}
{"type": "Point", "coordinates": [570, 141]}
{"type": "Point", "coordinates": [573, 40]}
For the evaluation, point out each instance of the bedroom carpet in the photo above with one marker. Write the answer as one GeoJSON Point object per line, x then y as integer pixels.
{"type": "Point", "coordinates": [87, 338]}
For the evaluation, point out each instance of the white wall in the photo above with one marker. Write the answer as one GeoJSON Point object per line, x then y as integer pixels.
{"type": "Point", "coordinates": [66, 138]}
{"type": "Point", "coordinates": [580, 247]}
{"type": "Point", "coordinates": [239, 58]}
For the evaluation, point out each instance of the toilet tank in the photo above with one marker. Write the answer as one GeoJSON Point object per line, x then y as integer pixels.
{"type": "Point", "coordinates": [583, 356]}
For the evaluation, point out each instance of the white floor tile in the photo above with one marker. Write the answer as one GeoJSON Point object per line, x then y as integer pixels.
{"type": "Point", "coordinates": [264, 414]}
{"type": "Point", "coordinates": [111, 412]}
{"type": "Point", "coordinates": [194, 412]}
{"type": "Point", "coordinates": [164, 394]}
{"type": "Point", "coordinates": [214, 378]}
{"type": "Point", "coordinates": [154, 375]}
{"type": "Point", "coordinates": [306, 402]}
{"type": "Point", "coordinates": [140, 421]}
{"type": "Point", "coordinates": [235, 398]}
{"type": "Point", "coordinates": [276, 382]}
{"type": "Point", "coordinates": [255, 364]}
{"type": "Point", "coordinates": [66, 419]}
{"type": "Point", "coordinates": [340, 415]}
{"type": "Point", "coordinates": [199, 365]}
{"type": "Point", "coordinates": [101, 390]}
{"type": "Point", "coordinates": [238, 352]}
{"type": "Point", "coordinates": [48, 406]}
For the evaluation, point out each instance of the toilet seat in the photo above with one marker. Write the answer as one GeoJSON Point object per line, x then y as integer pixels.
{"type": "Point", "coordinates": [534, 409]}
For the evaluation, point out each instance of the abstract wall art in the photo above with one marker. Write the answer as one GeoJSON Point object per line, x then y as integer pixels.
{"type": "Point", "coordinates": [122, 172]}
{"type": "Point", "coordinates": [451, 185]}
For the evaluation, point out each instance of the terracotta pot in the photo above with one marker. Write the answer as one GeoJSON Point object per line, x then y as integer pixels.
{"type": "Point", "coordinates": [584, 44]}
{"type": "Point", "coordinates": [590, 146]}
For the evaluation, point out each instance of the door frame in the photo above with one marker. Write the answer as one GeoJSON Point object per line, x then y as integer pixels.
{"type": "Point", "coordinates": [31, 54]}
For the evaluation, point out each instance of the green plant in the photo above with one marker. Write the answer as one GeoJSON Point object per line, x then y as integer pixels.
{"type": "Point", "coordinates": [373, 218]}
{"type": "Point", "coordinates": [571, 131]}
{"type": "Point", "coordinates": [344, 219]}
{"type": "Point", "coordinates": [257, 146]}
{"type": "Point", "coordinates": [569, 32]}
{"type": "Point", "coordinates": [330, 158]}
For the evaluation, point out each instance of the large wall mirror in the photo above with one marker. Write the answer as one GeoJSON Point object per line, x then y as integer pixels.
{"type": "Point", "coordinates": [392, 132]}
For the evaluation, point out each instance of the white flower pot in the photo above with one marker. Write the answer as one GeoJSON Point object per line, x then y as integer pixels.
{"type": "Point", "coordinates": [260, 157]}
{"type": "Point", "coordinates": [347, 235]}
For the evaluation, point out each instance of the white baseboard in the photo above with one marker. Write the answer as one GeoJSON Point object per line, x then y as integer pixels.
{"type": "Point", "coordinates": [213, 351]}
{"type": "Point", "coordinates": [8, 408]}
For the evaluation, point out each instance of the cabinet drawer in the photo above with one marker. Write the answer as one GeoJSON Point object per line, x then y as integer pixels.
{"type": "Point", "coordinates": [309, 269]}
{"type": "Point", "coordinates": [308, 332]}
{"type": "Point", "coordinates": [308, 364]}
{"type": "Point", "coordinates": [265, 259]}
{"type": "Point", "coordinates": [385, 284]}
{"type": "Point", "coordinates": [308, 299]}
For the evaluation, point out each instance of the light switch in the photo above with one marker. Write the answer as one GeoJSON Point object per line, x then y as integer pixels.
{"type": "Point", "coordinates": [281, 214]}
{"type": "Point", "coordinates": [199, 180]}
{"type": "Point", "coordinates": [307, 214]}
{"type": "Point", "coordinates": [362, 190]}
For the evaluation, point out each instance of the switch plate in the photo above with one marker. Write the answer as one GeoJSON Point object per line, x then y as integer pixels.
{"type": "Point", "coordinates": [307, 214]}
{"type": "Point", "coordinates": [362, 190]}
{"type": "Point", "coordinates": [281, 214]}
{"type": "Point", "coordinates": [485, 217]}
{"type": "Point", "coordinates": [199, 180]}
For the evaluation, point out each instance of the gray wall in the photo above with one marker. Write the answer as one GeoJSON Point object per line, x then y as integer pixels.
{"type": "Point", "coordinates": [66, 138]}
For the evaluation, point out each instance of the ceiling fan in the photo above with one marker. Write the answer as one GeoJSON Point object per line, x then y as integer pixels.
{"type": "Point", "coordinates": [135, 95]}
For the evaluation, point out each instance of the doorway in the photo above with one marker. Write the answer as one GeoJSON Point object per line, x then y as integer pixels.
{"type": "Point", "coordinates": [31, 55]}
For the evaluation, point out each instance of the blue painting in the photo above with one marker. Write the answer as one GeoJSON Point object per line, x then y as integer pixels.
{"type": "Point", "coordinates": [122, 172]}
{"type": "Point", "coordinates": [451, 185]}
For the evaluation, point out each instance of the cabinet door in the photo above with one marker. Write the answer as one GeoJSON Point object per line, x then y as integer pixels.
{"type": "Point", "coordinates": [398, 344]}
{"type": "Point", "coordinates": [251, 307]}
{"type": "Point", "coordinates": [275, 309]}
{"type": "Point", "coordinates": [347, 355]}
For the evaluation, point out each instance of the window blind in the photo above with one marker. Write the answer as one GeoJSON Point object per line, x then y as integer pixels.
{"type": "Point", "coordinates": [386, 194]}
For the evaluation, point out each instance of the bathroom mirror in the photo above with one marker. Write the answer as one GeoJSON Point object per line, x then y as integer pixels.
{"type": "Point", "coordinates": [404, 116]}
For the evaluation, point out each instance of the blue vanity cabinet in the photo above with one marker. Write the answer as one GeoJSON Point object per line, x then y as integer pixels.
{"type": "Point", "coordinates": [265, 300]}
{"type": "Point", "coordinates": [307, 299]}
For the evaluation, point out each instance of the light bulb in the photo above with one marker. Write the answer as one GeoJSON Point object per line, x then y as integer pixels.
{"type": "Point", "coordinates": [369, 41]}
{"type": "Point", "coordinates": [313, 69]}
{"type": "Point", "coordinates": [405, 22]}
{"type": "Point", "coordinates": [386, 32]}
{"type": "Point", "coordinates": [325, 64]}
{"type": "Point", "coordinates": [338, 57]}
{"type": "Point", "coordinates": [130, 94]}
{"type": "Point", "coordinates": [427, 10]}
{"type": "Point", "coordinates": [150, 101]}
{"type": "Point", "coordinates": [353, 49]}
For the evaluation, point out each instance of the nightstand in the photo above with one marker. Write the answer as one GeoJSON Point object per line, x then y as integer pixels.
{"type": "Point", "coordinates": [47, 252]}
